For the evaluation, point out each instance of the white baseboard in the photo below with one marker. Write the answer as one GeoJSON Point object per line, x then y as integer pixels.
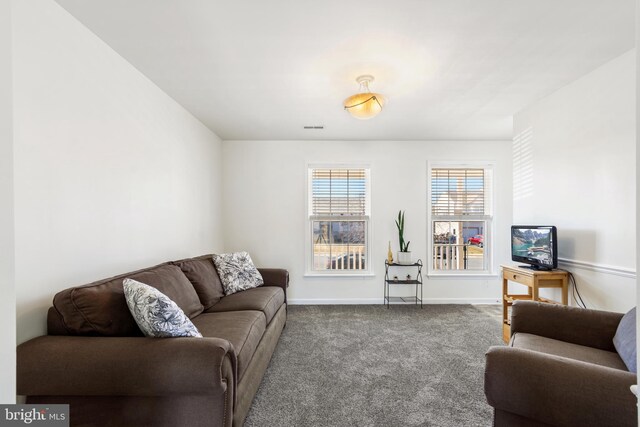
{"type": "Point", "coordinates": [326, 301]}
{"type": "Point", "coordinates": [379, 301]}
{"type": "Point", "coordinates": [462, 301]}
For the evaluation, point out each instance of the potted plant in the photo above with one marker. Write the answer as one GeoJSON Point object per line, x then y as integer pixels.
{"type": "Point", "coordinates": [404, 256]}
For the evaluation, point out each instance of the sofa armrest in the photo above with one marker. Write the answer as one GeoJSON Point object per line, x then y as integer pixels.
{"type": "Point", "coordinates": [592, 328]}
{"type": "Point", "coordinates": [276, 277]}
{"type": "Point", "coordinates": [125, 366]}
{"type": "Point", "coordinates": [558, 391]}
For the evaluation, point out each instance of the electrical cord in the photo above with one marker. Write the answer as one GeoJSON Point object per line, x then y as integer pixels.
{"type": "Point", "coordinates": [576, 293]}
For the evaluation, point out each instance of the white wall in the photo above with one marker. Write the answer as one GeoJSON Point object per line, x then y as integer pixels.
{"type": "Point", "coordinates": [637, 174]}
{"type": "Point", "coordinates": [110, 173]}
{"type": "Point", "coordinates": [7, 288]}
{"type": "Point", "coordinates": [264, 209]}
{"type": "Point", "coordinates": [574, 167]}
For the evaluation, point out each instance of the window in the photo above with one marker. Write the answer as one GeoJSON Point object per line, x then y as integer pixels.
{"type": "Point", "coordinates": [460, 219]}
{"type": "Point", "coordinates": [339, 220]}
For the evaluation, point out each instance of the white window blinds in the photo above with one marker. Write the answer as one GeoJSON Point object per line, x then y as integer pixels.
{"type": "Point", "coordinates": [339, 192]}
{"type": "Point", "coordinates": [459, 192]}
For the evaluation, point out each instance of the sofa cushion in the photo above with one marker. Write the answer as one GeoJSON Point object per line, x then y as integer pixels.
{"type": "Point", "coordinates": [267, 299]}
{"type": "Point", "coordinates": [564, 349]}
{"type": "Point", "coordinates": [244, 329]}
{"type": "Point", "coordinates": [155, 314]}
{"type": "Point", "coordinates": [625, 340]}
{"type": "Point", "coordinates": [237, 272]}
{"type": "Point", "coordinates": [100, 308]}
{"type": "Point", "coordinates": [203, 276]}
{"type": "Point", "coordinates": [172, 282]}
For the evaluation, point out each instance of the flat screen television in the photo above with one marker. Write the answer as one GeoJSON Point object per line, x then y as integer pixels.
{"type": "Point", "coordinates": [535, 245]}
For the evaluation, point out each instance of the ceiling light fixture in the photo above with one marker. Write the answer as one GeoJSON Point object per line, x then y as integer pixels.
{"type": "Point", "coordinates": [364, 104]}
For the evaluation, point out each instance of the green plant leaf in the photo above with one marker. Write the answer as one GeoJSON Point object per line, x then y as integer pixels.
{"type": "Point", "coordinates": [400, 225]}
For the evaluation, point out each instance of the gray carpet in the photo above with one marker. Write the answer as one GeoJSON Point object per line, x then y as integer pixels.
{"type": "Point", "coordinates": [372, 366]}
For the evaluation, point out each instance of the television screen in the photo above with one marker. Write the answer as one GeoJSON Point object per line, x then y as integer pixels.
{"type": "Point", "coordinates": [534, 245]}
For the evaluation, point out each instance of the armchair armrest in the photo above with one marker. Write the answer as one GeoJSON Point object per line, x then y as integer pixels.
{"type": "Point", "coordinates": [558, 391]}
{"type": "Point", "coordinates": [592, 328]}
{"type": "Point", "coordinates": [125, 366]}
{"type": "Point", "coordinates": [276, 277]}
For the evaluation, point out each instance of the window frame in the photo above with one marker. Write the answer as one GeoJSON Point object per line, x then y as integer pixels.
{"type": "Point", "coordinates": [311, 218]}
{"type": "Point", "coordinates": [489, 219]}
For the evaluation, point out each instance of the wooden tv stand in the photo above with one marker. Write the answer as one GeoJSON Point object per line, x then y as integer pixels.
{"type": "Point", "coordinates": [534, 280]}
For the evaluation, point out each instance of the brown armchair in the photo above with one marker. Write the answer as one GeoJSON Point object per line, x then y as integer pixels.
{"type": "Point", "coordinates": [560, 368]}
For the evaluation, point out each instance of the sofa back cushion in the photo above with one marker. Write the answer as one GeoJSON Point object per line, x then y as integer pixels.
{"type": "Point", "coordinates": [100, 308]}
{"type": "Point", "coordinates": [204, 277]}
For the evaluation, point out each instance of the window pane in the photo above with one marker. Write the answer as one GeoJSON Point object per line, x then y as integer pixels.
{"type": "Point", "coordinates": [338, 191]}
{"type": "Point", "coordinates": [458, 192]}
{"type": "Point", "coordinates": [339, 245]}
{"type": "Point", "coordinates": [458, 245]}
{"type": "Point", "coordinates": [321, 246]}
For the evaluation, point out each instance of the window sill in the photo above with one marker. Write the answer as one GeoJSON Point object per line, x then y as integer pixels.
{"type": "Point", "coordinates": [330, 275]}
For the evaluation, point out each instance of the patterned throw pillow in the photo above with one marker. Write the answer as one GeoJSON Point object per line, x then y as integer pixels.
{"type": "Point", "coordinates": [237, 272]}
{"type": "Point", "coordinates": [155, 313]}
{"type": "Point", "coordinates": [625, 340]}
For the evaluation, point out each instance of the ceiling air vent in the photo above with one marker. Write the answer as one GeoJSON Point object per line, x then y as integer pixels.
{"type": "Point", "coordinates": [314, 127]}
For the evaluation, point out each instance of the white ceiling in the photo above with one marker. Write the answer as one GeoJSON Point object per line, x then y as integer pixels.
{"type": "Point", "coordinates": [450, 69]}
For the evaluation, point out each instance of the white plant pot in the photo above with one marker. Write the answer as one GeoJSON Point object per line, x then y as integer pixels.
{"type": "Point", "coordinates": [404, 258]}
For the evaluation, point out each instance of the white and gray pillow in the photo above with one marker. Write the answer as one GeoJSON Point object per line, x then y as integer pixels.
{"type": "Point", "coordinates": [625, 340]}
{"type": "Point", "coordinates": [155, 313]}
{"type": "Point", "coordinates": [237, 272]}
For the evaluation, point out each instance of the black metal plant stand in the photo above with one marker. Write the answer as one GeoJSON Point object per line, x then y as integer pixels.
{"type": "Point", "coordinates": [389, 281]}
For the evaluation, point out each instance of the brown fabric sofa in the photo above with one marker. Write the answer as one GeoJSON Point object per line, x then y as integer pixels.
{"type": "Point", "coordinates": [97, 360]}
{"type": "Point", "coordinates": [560, 369]}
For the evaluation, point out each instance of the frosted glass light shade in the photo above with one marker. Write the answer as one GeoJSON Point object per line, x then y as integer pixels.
{"type": "Point", "coordinates": [364, 105]}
